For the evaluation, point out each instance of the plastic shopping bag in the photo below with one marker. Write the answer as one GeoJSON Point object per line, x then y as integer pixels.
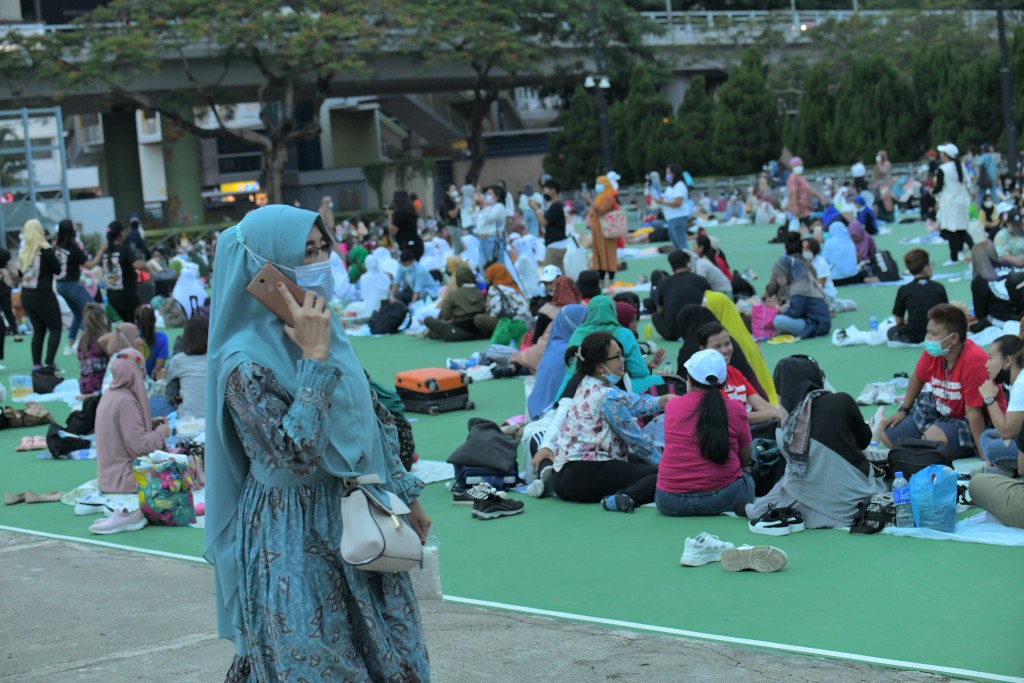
{"type": "Point", "coordinates": [933, 498]}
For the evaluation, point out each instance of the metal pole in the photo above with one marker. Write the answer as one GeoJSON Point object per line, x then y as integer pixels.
{"type": "Point", "coordinates": [602, 103]}
{"type": "Point", "coordinates": [1005, 86]}
{"type": "Point", "coordinates": [65, 192]}
{"type": "Point", "coordinates": [29, 166]}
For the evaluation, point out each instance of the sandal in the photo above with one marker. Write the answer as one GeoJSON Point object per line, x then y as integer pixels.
{"type": "Point", "coordinates": [39, 443]}
{"type": "Point", "coordinates": [52, 497]}
{"type": "Point", "coordinates": [25, 444]}
{"type": "Point", "coordinates": [14, 498]}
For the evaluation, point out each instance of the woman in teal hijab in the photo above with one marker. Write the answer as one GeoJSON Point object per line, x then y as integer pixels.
{"type": "Point", "coordinates": [601, 317]}
{"type": "Point", "coordinates": [290, 413]}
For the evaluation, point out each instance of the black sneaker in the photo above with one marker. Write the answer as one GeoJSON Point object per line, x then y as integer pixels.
{"type": "Point", "coordinates": [774, 522]}
{"type": "Point", "coordinates": [794, 517]}
{"type": "Point", "coordinates": [494, 507]}
{"type": "Point", "coordinates": [481, 491]}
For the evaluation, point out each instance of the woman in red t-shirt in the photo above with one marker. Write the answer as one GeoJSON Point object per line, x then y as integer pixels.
{"type": "Point", "coordinates": [737, 386]}
{"type": "Point", "coordinates": [704, 469]}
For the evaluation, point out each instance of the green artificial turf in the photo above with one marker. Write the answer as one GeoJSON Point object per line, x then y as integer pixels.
{"type": "Point", "coordinates": [936, 603]}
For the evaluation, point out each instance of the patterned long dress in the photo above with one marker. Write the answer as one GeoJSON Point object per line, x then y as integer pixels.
{"type": "Point", "coordinates": [307, 616]}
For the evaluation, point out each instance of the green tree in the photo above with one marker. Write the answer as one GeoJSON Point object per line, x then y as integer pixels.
{"type": "Point", "coordinates": [502, 41]}
{"type": "Point", "coordinates": [641, 126]}
{"type": "Point", "coordinates": [875, 108]}
{"type": "Point", "coordinates": [816, 111]}
{"type": "Point", "coordinates": [935, 71]}
{"type": "Point", "coordinates": [694, 128]}
{"type": "Point", "coordinates": [298, 49]}
{"type": "Point", "coordinates": [574, 152]}
{"type": "Point", "coordinates": [746, 120]}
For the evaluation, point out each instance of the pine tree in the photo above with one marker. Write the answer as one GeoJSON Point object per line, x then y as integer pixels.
{"type": "Point", "coordinates": [694, 127]}
{"type": "Point", "coordinates": [816, 111]}
{"type": "Point", "coordinates": [574, 152]}
{"type": "Point", "coordinates": [934, 71]}
{"type": "Point", "coordinates": [746, 120]}
{"type": "Point", "coordinates": [641, 126]}
{"type": "Point", "coordinates": [875, 109]}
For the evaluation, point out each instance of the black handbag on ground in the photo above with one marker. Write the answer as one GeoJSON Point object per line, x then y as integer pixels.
{"type": "Point", "coordinates": [767, 465]}
{"type": "Point", "coordinates": [44, 380]}
{"type": "Point", "coordinates": [910, 456]}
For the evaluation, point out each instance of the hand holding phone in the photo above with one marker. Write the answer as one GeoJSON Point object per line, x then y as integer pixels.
{"type": "Point", "coordinates": [311, 329]}
{"type": "Point", "coordinates": [264, 289]}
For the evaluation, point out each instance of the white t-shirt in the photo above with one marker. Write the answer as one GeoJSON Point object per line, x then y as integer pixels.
{"type": "Point", "coordinates": [670, 194]}
{"type": "Point", "coordinates": [823, 270]}
{"type": "Point", "coordinates": [1016, 402]}
{"type": "Point", "coordinates": [858, 170]}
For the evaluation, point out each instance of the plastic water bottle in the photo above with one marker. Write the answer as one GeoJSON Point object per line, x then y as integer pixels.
{"type": "Point", "coordinates": [873, 322]}
{"type": "Point", "coordinates": [901, 501]}
{"type": "Point", "coordinates": [666, 369]}
{"type": "Point", "coordinates": [647, 331]}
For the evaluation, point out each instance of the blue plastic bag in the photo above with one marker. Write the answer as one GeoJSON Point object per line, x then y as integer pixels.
{"type": "Point", "coordinates": [933, 498]}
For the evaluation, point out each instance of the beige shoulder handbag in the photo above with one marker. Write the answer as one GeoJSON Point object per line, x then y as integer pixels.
{"type": "Point", "coordinates": [375, 538]}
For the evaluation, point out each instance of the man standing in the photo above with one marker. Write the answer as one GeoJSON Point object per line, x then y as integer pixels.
{"type": "Point", "coordinates": [552, 222]}
{"type": "Point", "coordinates": [799, 193]}
{"type": "Point", "coordinates": [673, 292]}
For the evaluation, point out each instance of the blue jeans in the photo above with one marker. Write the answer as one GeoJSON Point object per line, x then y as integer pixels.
{"type": "Point", "coordinates": [677, 231]}
{"type": "Point", "coordinates": [77, 297]}
{"type": "Point", "coordinates": [707, 503]}
{"type": "Point", "coordinates": [783, 324]}
{"type": "Point", "coordinates": [488, 250]}
{"type": "Point", "coordinates": [530, 221]}
{"type": "Point", "coordinates": [995, 450]}
{"type": "Point", "coordinates": [923, 415]}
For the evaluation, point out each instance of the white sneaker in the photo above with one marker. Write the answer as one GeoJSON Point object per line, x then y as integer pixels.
{"type": "Point", "coordinates": [93, 504]}
{"type": "Point", "coordinates": [702, 550]}
{"type": "Point", "coordinates": [70, 350]}
{"type": "Point", "coordinates": [868, 395]}
{"type": "Point", "coordinates": [760, 558]}
{"type": "Point", "coordinates": [886, 394]}
{"type": "Point", "coordinates": [122, 520]}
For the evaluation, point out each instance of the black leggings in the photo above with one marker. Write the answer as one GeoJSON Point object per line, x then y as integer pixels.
{"type": "Point", "coordinates": [588, 481]}
{"type": "Point", "coordinates": [44, 314]}
{"type": "Point", "coordinates": [957, 239]}
{"type": "Point", "coordinates": [6, 309]}
{"type": "Point", "coordinates": [124, 301]}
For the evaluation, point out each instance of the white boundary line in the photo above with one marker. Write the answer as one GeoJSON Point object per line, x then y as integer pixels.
{"type": "Point", "coordinates": [799, 649]}
{"type": "Point", "coordinates": [833, 654]}
{"type": "Point", "coordinates": [104, 544]}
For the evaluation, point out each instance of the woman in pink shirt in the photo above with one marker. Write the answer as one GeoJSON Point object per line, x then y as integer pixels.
{"type": "Point", "coordinates": [704, 469]}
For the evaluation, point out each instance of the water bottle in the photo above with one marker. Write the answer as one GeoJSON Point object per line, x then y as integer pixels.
{"type": "Point", "coordinates": [647, 331]}
{"type": "Point", "coordinates": [666, 369]}
{"type": "Point", "coordinates": [901, 501]}
{"type": "Point", "coordinates": [873, 322]}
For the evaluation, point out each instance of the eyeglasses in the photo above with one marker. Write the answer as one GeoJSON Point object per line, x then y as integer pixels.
{"type": "Point", "coordinates": [615, 357]}
{"type": "Point", "coordinates": [316, 252]}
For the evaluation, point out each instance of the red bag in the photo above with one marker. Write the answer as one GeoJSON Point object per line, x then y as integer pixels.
{"type": "Point", "coordinates": [761, 318]}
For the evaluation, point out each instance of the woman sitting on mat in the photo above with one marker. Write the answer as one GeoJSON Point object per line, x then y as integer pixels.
{"type": "Point", "coordinates": [124, 428]}
{"type": "Point", "coordinates": [565, 294]}
{"type": "Point", "coordinates": [551, 369]}
{"type": "Point", "coordinates": [461, 304]}
{"type": "Point", "coordinates": [602, 317]}
{"type": "Point", "coordinates": [690, 321]}
{"type": "Point", "coordinates": [504, 300]}
{"type": "Point", "coordinates": [823, 440]}
{"type": "Point", "coordinates": [761, 414]}
{"type": "Point", "coordinates": [92, 357]}
{"type": "Point", "coordinates": [704, 469]}
{"type": "Point", "coordinates": [603, 455]}
{"type": "Point", "coordinates": [1005, 359]}
{"type": "Point", "coordinates": [727, 314]}
{"type": "Point", "coordinates": [186, 373]}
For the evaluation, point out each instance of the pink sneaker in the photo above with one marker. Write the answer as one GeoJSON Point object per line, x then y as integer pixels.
{"type": "Point", "coordinates": [122, 520]}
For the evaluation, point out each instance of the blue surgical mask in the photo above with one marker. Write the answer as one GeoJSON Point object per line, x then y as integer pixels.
{"type": "Point", "coordinates": [933, 347]}
{"type": "Point", "coordinates": [612, 378]}
{"type": "Point", "coordinates": [599, 188]}
{"type": "Point", "coordinates": [317, 278]}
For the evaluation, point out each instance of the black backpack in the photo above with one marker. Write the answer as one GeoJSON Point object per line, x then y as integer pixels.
{"type": "Point", "coordinates": [45, 380]}
{"type": "Point", "coordinates": [84, 421]}
{"type": "Point", "coordinates": [885, 267]}
{"type": "Point", "coordinates": [910, 456]}
{"type": "Point", "coordinates": [391, 317]}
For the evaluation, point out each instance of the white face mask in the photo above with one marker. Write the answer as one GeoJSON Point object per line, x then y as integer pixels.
{"type": "Point", "coordinates": [599, 188]}
{"type": "Point", "coordinates": [878, 158]}
{"type": "Point", "coordinates": [799, 170]}
{"type": "Point", "coordinates": [317, 278]}
{"type": "Point", "coordinates": [490, 199]}
{"type": "Point", "coordinates": [808, 256]}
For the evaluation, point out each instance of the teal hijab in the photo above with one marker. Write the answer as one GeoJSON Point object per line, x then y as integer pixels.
{"type": "Point", "coordinates": [601, 317]}
{"type": "Point", "coordinates": [242, 330]}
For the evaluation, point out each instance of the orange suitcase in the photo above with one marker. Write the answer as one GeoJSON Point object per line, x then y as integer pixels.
{"type": "Point", "coordinates": [433, 390]}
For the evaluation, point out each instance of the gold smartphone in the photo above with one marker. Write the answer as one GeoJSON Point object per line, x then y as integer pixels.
{"type": "Point", "coordinates": [264, 289]}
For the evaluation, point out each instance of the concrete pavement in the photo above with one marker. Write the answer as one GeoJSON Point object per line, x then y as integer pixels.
{"type": "Point", "coordinates": [75, 612]}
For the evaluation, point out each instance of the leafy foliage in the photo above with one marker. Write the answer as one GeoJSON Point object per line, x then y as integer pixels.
{"type": "Point", "coordinates": [642, 126]}
{"type": "Point", "coordinates": [693, 128]}
{"type": "Point", "coordinates": [746, 130]}
{"type": "Point", "coordinates": [574, 154]}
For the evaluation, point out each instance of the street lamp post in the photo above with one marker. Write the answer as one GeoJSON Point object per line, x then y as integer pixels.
{"type": "Point", "coordinates": [1005, 86]}
{"type": "Point", "coordinates": [602, 101]}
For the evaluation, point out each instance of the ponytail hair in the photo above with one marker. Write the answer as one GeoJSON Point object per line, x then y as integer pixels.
{"type": "Point", "coordinates": [712, 423]}
{"type": "Point", "coordinates": [1012, 347]}
{"type": "Point", "coordinates": [591, 353]}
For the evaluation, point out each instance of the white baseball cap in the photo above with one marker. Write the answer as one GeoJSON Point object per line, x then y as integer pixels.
{"type": "Point", "coordinates": [951, 150]}
{"type": "Point", "coordinates": [550, 273]}
{"type": "Point", "coordinates": [706, 367]}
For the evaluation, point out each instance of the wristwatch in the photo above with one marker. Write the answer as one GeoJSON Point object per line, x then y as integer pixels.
{"type": "Point", "coordinates": [989, 400]}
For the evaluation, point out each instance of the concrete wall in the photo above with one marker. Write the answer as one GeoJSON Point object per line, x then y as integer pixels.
{"type": "Point", "coordinates": [515, 171]}
{"type": "Point", "coordinates": [154, 180]}
{"type": "Point", "coordinates": [354, 139]}
{"type": "Point", "coordinates": [92, 216]}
